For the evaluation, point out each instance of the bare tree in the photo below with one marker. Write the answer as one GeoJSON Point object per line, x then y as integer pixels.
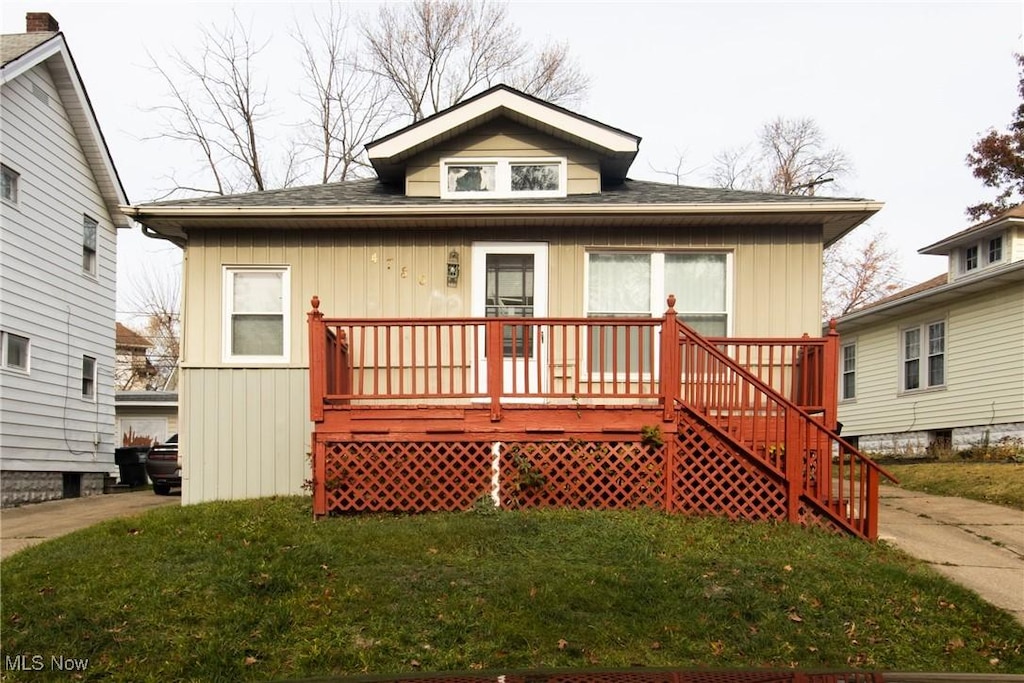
{"type": "Point", "coordinates": [434, 53]}
{"type": "Point", "coordinates": [791, 157]}
{"type": "Point", "coordinates": [553, 75]}
{"type": "Point", "coordinates": [156, 300]}
{"type": "Point", "coordinates": [678, 172]}
{"type": "Point", "coordinates": [217, 104]}
{"type": "Point", "coordinates": [734, 169]}
{"type": "Point", "coordinates": [858, 272]}
{"type": "Point", "coordinates": [348, 104]}
{"type": "Point", "coordinates": [799, 159]}
{"type": "Point", "coordinates": [407, 61]}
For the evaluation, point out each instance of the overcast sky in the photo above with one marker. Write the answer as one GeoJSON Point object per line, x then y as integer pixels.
{"type": "Point", "coordinates": [904, 89]}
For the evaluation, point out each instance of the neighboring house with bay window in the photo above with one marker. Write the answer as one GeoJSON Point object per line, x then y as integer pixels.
{"type": "Point", "coordinates": [58, 221]}
{"type": "Point", "coordinates": [501, 206]}
{"type": "Point", "coordinates": [940, 365]}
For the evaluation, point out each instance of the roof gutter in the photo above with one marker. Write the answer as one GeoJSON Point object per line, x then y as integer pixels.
{"type": "Point", "coordinates": [139, 213]}
{"type": "Point", "coordinates": [934, 291]}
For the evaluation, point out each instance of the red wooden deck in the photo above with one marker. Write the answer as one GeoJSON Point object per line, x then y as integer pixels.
{"type": "Point", "coordinates": [409, 415]}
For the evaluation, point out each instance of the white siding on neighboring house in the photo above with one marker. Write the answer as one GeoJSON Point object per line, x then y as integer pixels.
{"type": "Point", "coordinates": [45, 295]}
{"type": "Point", "coordinates": [984, 371]}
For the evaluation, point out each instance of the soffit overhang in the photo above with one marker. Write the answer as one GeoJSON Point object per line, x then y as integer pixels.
{"type": "Point", "coordinates": [175, 222]}
{"type": "Point", "coordinates": [616, 148]}
{"type": "Point", "coordinates": [1014, 217]}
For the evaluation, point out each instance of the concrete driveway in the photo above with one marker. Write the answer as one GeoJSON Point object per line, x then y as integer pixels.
{"type": "Point", "coordinates": [27, 525]}
{"type": "Point", "coordinates": [978, 545]}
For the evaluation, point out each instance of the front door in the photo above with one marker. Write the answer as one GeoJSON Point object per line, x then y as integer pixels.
{"type": "Point", "coordinates": [510, 280]}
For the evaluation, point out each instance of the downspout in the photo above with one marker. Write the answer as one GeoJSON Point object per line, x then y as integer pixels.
{"type": "Point", "coordinates": [153, 234]}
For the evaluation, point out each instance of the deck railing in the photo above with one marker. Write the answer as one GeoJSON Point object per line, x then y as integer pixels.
{"type": "Point", "coordinates": [578, 360]}
{"type": "Point", "coordinates": [815, 461]}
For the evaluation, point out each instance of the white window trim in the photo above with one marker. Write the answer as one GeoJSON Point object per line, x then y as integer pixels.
{"type": "Point", "coordinates": [659, 300]}
{"type": "Point", "coordinates": [17, 186]}
{"type": "Point", "coordinates": [91, 398]}
{"type": "Point", "coordinates": [843, 373]}
{"type": "Point", "coordinates": [95, 271]}
{"type": "Point", "coordinates": [922, 366]}
{"type": "Point", "coordinates": [659, 297]}
{"type": "Point", "coordinates": [982, 245]}
{"type": "Point", "coordinates": [503, 177]}
{"type": "Point", "coordinates": [964, 258]}
{"type": "Point", "coordinates": [3, 353]}
{"type": "Point", "coordinates": [228, 293]}
{"type": "Point", "coordinates": [987, 244]}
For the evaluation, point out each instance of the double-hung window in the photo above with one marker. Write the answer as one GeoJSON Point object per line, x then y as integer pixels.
{"type": "Point", "coordinates": [256, 314]}
{"type": "Point", "coordinates": [637, 284]}
{"type": "Point", "coordinates": [88, 378]}
{"type": "Point", "coordinates": [14, 351]}
{"type": "Point", "coordinates": [995, 249]}
{"type": "Point", "coordinates": [924, 356]}
{"type": "Point", "coordinates": [971, 258]}
{"type": "Point", "coordinates": [89, 229]}
{"type": "Point", "coordinates": [469, 178]}
{"type": "Point", "coordinates": [8, 184]}
{"type": "Point", "coordinates": [849, 371]}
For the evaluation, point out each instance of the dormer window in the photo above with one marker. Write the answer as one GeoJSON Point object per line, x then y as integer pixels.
{"type": "Point", "coordinates": [970, 259]}
{"type": "Point", "coordinates": [491, 178]}
{"type": "Point", "coordinates": [995, 249]}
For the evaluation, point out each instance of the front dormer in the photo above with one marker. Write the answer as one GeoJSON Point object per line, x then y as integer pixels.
{"type": "Point", "coordinates": [501, 145]}
{"type": "Point", "coordinates": [985, 247]}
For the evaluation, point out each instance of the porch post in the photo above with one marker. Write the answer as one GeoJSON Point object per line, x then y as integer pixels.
{"type": "Point", "coordinates": [794, 465]}
{"type": "Point", "coordinates": [319, 477]}
{"type": "Point", "coordinates": [870, 528]}
{"type": "Point", "coordinates": [495, 362]}
{"type": "Point", "coordinates": [830, 379]}
{"type": "Point", "coordinates": [670, 370]}
{"type": "Point", "coordinates": [317, 361]}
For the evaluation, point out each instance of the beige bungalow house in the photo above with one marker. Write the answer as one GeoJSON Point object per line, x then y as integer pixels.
{"type": "Point", "coordinates": [940, 365]}
{"type": "Point", "coordinates": [506, 228]}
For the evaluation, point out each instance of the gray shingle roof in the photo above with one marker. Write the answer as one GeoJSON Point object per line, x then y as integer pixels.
{"type": "Point", "coordinates": [371, 192]}
{"type": "Point", "coordinates": [15, 45]}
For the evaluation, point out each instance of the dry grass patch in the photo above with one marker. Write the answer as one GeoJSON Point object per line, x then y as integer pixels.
{"type": "Point", "coordinates": [1001, 483]}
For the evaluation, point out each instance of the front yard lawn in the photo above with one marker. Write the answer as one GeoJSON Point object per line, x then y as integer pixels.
{"type": "Point", "coordinates": [255, 590]}
{"type": "Point", "coordinates": [990, 482]}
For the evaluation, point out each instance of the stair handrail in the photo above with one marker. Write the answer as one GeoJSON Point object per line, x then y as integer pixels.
{"type": "Point", "coordinates": [764, 388]}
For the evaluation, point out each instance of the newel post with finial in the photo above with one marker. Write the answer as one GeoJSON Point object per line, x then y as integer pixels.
{"type": "Point", "coordinates": [671, 372]}
{"type": "Point", "coordinates": [317, 360]}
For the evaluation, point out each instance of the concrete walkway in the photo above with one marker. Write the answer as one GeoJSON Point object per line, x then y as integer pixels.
{"type": "Point", "coordinates": [27, 525]}
{"type": "Point", "coordinates": [978, 545]}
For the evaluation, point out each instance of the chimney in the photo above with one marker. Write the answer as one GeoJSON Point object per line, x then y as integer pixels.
{"type": "Point", "coordinates": [40, 22]}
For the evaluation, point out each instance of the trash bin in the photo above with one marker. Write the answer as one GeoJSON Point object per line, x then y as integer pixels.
{"type": "Point", "coordinates": [131, 461]}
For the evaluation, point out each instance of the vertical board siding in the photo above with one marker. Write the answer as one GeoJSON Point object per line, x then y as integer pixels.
{"type": "Point", "coordinates": [984, 370]}
{"type": "Point", "coordinates": [244, 433]}
{"type": "Point", "coordinates": [44, 423]}
{"type": "Point", "coordinates": [372, 274]}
